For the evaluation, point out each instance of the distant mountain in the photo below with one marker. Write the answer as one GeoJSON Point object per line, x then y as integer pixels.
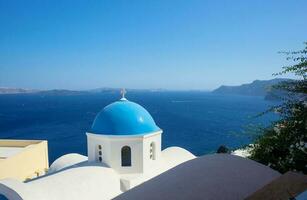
{"type": "Point", "coordinates": [5, 90]}
{"type": "Point", "coordinates": [256, 88]}
{"type": "Point", "coordinates": [117, 90]}
{"type": "Point", "coordinates": [62, 92]}
{"type": "Point", "coordinates": [104, 89]}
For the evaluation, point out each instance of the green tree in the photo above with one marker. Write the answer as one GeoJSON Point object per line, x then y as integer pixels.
{"type": "Point", "coordinates": [283, 145]}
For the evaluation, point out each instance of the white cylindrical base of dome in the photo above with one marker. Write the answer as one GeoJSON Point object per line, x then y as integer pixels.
{"type": "Point", "coordinates": [140, 151]}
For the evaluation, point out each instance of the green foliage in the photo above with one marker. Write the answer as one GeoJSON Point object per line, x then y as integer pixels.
{"type": "Point", "coordinates": [283, 145]}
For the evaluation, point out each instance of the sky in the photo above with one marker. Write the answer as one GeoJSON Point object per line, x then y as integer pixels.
{"type": "Point", "coordinates": [170, 44]}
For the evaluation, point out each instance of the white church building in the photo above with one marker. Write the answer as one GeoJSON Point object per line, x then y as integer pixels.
{"type": "Point", "coordinates": [125, 137]}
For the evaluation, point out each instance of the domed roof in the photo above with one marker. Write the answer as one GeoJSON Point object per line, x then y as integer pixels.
{"type": "Point", "coordinates": [124, 117]}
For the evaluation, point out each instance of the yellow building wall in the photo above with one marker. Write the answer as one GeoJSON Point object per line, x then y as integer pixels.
{"type": "Point", "coordinates": [31, 162]}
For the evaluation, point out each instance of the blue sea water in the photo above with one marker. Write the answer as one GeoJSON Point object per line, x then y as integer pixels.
{"type": "Point", "coordinates": [197, 121]}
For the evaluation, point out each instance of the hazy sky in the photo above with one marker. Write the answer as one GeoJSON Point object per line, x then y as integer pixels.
{"type": "Point", "coordinates": [169, 44]}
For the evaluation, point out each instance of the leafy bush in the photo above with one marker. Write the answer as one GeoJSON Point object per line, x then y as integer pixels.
{"type": "Point", "coordinates": [283, 145]}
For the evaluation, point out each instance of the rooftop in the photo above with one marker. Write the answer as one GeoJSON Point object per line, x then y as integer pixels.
{"type": "Point", "coordinates": [6, 152]}
{"type": "Point", "coordinates": [9, 148]}
{"type": "Point", "coordinates": [23, 159]}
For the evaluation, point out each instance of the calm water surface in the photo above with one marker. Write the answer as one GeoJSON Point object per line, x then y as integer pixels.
{"type": "Point", "coordinates": [197, 121]}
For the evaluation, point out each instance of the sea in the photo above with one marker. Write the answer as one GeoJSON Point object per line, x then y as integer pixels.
{"type": "Point", "coordinates": [197, 121]}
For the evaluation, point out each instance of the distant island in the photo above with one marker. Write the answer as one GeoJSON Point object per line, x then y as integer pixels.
{"type": "Point", "coordinates": [7, 90]}
{"type": "Point", "coordinates": [256, 88]}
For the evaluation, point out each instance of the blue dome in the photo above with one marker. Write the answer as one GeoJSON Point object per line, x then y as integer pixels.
{"type": "Point", "coordinates": [124, 117]}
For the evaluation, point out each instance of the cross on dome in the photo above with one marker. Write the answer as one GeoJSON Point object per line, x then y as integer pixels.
{"type": "Point", "coordinates": [123, 93]}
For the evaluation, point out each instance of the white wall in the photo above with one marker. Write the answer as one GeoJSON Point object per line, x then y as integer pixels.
{"type": "Point", "coordinates": [148, 139]}
{"type": "Point", "coordinates": [111, 150]}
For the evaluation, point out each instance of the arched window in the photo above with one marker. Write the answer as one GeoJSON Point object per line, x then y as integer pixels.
{"type": "Point", "coordinates": [126, 156]}
{"type": "Point", "coordinates": [152, 151]}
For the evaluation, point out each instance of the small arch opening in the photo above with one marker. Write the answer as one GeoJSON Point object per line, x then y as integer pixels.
{"type": "Point", "coordinates": [99, 153]}
{"type": "Point", "coordinates": [152, 151]}
{"type": "Point", "coordinates": [126, 156]}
